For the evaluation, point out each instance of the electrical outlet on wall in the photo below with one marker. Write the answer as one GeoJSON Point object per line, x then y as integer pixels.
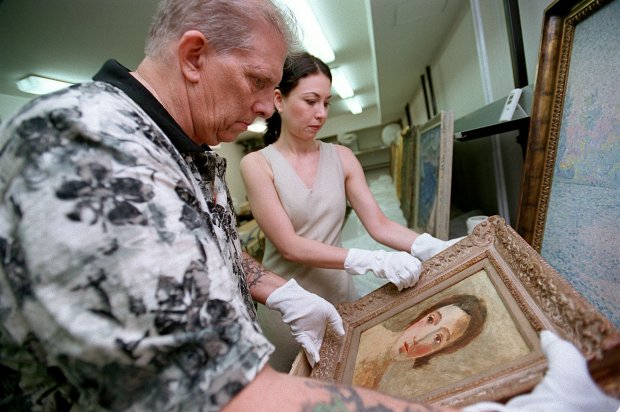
{"type": "Point", "coordinates": [512, 102]}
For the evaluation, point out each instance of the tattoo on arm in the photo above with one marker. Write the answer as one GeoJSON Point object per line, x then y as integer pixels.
{"type": "Point", "coordinates": [348, 398]}
{"type": "Point", "coordinates": [253, 270]}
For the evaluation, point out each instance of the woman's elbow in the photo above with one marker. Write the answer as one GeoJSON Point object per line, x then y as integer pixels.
{"type": "Point", "coordinates": [289, 253]}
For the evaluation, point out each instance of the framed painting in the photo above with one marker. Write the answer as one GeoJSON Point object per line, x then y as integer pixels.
{"type": "Point", "coordinates": [433, 159]}
{"type": "Point", "coordinates": [396, 162]}
{"type": "Point", "coordinates": [491, 294]}
{"type": "Point", "coordinates": [569, 203]}
{"type": "Point", "coordinates": [407, 173]}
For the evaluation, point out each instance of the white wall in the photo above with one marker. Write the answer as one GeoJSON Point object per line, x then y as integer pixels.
{"type": "Point", "coordinates": [9, 105]}
{"type": "Point", "coordinates": [458, 86]}
{"type": "Point", "coordinates": [455, 68]}
{"type": "Point", "coordinates": [531, 13]}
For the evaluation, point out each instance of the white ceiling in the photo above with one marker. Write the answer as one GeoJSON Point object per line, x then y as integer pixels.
{"type": "Point", "coordinates": [383, 45]}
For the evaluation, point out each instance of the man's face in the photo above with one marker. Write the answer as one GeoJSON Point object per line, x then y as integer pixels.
{"type": "Point", "coordinates": [236, 87]}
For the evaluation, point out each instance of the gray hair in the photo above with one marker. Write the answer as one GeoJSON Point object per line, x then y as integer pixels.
{"type": "Point", "coordinates": [224, 22]}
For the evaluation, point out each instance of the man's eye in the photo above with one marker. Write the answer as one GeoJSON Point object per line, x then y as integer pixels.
{"type": "Point", "coordinates": [438, 338]}
{"type": "Point", "coordinates": [259, 83]}
{"type": "Point", "coordinates": [430, 319]}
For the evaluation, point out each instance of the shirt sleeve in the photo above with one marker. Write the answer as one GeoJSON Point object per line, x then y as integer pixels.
{"type": "Point", "coordinates": [111, 269]}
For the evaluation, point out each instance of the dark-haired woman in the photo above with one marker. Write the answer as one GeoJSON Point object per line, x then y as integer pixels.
{"type": "Point", "coordinates": [298, 187]}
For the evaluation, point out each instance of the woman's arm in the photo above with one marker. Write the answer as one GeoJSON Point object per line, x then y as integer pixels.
{"type": "Point", "coordinates": [382, 229]}
{"type": "Point", "coordinates": [275, 223]}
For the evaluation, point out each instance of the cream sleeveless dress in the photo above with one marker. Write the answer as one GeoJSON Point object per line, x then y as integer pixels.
{"type": "Point", "coordinates": [316, 213]}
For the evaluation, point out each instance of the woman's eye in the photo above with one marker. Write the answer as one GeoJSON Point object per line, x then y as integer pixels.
{"type": "Point", "coordinates": [310, 102]}
{"type": "Point", "coordinates": [430, 319]}
{"type": "Point", "coordinates": [438, 339]}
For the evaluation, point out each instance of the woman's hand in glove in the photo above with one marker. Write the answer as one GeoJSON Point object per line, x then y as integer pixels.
{"type": "Point", "coordinates": [400, 268]}
{"type": "Point", "coordinates": [425, 246]}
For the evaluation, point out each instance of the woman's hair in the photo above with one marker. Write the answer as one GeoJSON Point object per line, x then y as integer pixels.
{"type": "Point", "coordinates": [225, 23]}
{"type": "Point", "coordinates": [296, 66]}
{"type": "Point", "coordinates": [471, 305]}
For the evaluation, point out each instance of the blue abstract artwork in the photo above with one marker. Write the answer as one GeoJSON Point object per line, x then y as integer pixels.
{"type": "Point", "coordinates": [429, 172]}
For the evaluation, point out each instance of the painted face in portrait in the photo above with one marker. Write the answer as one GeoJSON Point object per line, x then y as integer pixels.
{"type": "Point", "coordinates": [433, 332]}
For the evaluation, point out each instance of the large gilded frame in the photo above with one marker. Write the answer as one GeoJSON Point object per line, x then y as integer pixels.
{"type": "Point", "coordinates": [533, 295]}
{"type": "Point", "coordinates": [568, 209]}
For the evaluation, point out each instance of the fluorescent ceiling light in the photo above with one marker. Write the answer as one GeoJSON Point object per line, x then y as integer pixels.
{"type": "Point", "coordinates": [313, 38]}
{"type": "Point", "coordinates": [341, 83]}
{"type": "Point", "coordinates": [354, 105]}
{"type": "Point", "coordinates": [40, 85]}
{"type": "Point", "coordinates": [258, 126]}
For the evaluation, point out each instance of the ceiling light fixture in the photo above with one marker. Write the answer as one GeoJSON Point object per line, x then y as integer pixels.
{"type": "Point", "coordinates": [354, 105]}
{"type": "Point", "coordinates": [313, 38]}
{"type": "Point", "coordinates": [259, 125]}
{"type": "Point", "coordinates": [40, 85]}
{"type": "Point", "coordinates": [341, 83]}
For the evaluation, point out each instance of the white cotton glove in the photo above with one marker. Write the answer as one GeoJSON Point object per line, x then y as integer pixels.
{"type": "Point", "coordinates": [400, 268]}
{"type": "Point", "coordinates": [425, 246]}
{"type": "Point", "coordinates": [566, 387]}
{"type": "Point", "coordinates": [307, 315]}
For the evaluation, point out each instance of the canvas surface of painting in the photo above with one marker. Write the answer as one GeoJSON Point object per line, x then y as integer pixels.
{"type": "Point", "coordinates": [460, 332]}
{"type": "Point", "coordinates": [582, 231]}
{"type": "Point", "coordinates": [433, 175]}
{"type": "Point", "coordinates": [428, 174]}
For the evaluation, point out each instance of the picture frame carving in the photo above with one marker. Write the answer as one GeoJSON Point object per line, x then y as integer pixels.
{"type": "Point", "coordinates": [521, 295]}
{"type": "Point", "coordinates": [568, 210]}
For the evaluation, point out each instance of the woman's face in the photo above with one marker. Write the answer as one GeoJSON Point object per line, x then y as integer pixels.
{"type": "Point", "coordinates": [305, 109]}
{"type": "Point", "coordinates": [433, 332]}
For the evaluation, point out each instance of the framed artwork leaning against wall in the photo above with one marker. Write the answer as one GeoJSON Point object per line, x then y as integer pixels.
{"type": "Point", "coordinates": [432, 154]}
{"type": "Point", "coordinates": [480, 306]}
{"type": "Point", "coordinates": [570, 197]}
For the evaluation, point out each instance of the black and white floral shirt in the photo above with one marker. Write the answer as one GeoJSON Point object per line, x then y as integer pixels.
{"type": "Point", "coordinates": [121, 285]}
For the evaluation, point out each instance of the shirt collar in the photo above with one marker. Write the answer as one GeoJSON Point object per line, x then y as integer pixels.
{"type": "Point", "coordinates": [118, 75]}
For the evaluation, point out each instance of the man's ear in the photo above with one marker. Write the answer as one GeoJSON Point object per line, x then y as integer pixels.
{"type": "Point", "coordinates": [191, 50]}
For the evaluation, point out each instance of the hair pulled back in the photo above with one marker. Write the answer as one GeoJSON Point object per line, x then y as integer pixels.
{"type": "Point", "coordinates": [296, 66]}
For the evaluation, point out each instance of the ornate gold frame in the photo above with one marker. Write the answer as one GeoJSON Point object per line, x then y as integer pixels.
{"type": "Point", "coordinates": [535, 295]}
{"type": "Point", "coordinates": [569, 220]}
{"type": "Point", "coordinates": [547, 105]}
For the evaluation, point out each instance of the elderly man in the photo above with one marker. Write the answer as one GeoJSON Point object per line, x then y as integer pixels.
{"type": "Point", "coordinates": [123, 285]}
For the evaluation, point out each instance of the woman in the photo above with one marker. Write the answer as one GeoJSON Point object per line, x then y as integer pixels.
{"type": "Point", "coordinates": [298, 187]}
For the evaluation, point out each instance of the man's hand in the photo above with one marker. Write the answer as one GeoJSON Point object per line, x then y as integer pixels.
{"type": "Point", "coordinates": [307, 315]}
